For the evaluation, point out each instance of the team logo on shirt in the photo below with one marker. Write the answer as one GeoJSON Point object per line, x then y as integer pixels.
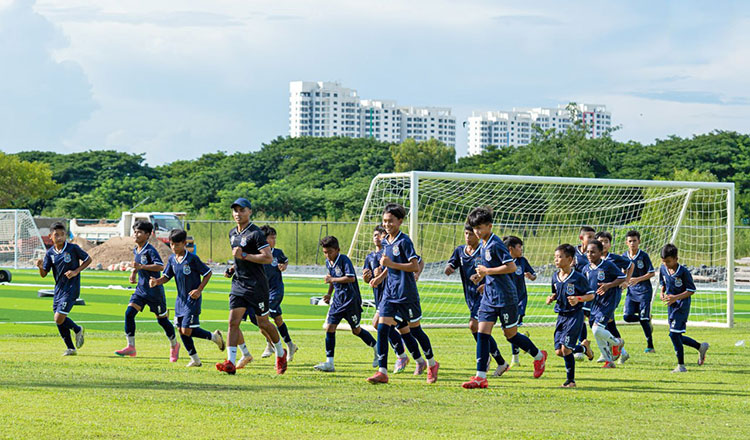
{"type": "Point", "coordinates": [519, 271]}
{"type": "Point", "coordinates": [243, 242]}
{"type": "Point", "coordinates": [600, 275]}
{"type": "Point", "coordinates": [678, 282]}
{"type": "Point", "coordinates": [487, 255]}
{"type": "Point", "coordinates": [338, 272]}
{"type": "Point", "coordinates": [571, 289]}
{"type": "Point", "coordinates": [396, 251]}
{"type": "Point", "coordinates": [186, 269]}
{"type": "Point", "coordinates": [640, 264]}
{"type": "Point", "coordinates": [144, 259]}
{"type": "Point", "coordinates": [275, 262]}
{"type": "Point", "coordinates": [66, 257]}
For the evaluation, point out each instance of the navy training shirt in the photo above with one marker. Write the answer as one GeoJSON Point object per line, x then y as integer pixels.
{"type": "Point", "coordinates": [345, 295]}
{"type": "Point", "coordinates": [69, 258]}
{"type": "Point", "coordinates": [519, 277]}
{"type": "Point", "coordinates": [604, 272]}
{"type": "Point", "coordinates": [466, 264]}
{"type": "Point", "coordinates": [642, 266]}
{"type": "Point", "coordinates": [148, 255]}
{"type": "Point", "coordinates": [249, 277]}
{"type": "Point", "coordinates": [676, 283]}
{"type": "Point", "coordinates": [187, 274]}
{"type": "Point", "coordinates": [372, 262]}
{"type": "Point", "coordinates": [273, 273]}
{"type": "Point", "coordinates": [400, 286]}
{"type": "Point", "coordinates": [499, 290]}
{"type": "Point", "coordinates": [575, 284]}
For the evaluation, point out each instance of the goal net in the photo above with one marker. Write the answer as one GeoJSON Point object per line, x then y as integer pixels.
{"type": "Point", "coordinates": [20, 242]}
{"type": "Point", "coordinates": [548, 211]}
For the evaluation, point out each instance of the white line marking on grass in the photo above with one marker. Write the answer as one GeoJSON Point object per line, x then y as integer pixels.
{"type": "Point", "coordinates": [147, 321]}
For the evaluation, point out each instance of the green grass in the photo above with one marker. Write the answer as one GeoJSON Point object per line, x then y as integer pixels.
{"type": "Point", "coordinates": [97, 395]}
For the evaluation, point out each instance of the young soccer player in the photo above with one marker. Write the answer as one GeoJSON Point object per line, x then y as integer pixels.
{"type": "Point", "coordinates": [640, 291]}
{"type": "Point", "coordinates": [499, 300]}
{"type": "Point", "coordinates": [466, 258]}
{"type": "Point", "coordinates": [676, 289]}
{"type": "Point", "coordinates": [147, 264]}
{"type": "Point", "coordinates": [585, 235]}
{"type": "Point", "coordinates": [626, 267]}
{"type": "Point", "coordinates": [346, 303]}
{"type": "Point", "coordinates": [249, 293]}
{"type": "Point", "coordinates": [66, 261]}
{"type": "Point", "coordinates": [187, 269]}
{"type": "Point", "coordinates": [523, 272]}
{"type": "Point", "coordinates": [605, 278]}
{"type": "Point", "coordinates": [370, 274]}
{"type": "Point", "coordinates": [276, 293]}
{"type": "Point", "coordinates": [569, 290]}
{"type": "Point", "coordinates": [400, 304]}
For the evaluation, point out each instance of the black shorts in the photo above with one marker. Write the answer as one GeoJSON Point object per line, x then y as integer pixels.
{"type": "Point", "coordinates": [257, 305]}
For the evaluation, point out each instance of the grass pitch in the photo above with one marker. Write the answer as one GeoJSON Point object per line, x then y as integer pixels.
{"type": "Point", "coordinates": [98, 395]}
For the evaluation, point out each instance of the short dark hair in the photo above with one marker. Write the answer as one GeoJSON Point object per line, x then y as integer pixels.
{"type": "Point", "coordinates": [603, 234]}
{"type": "Point", "coordinates": [268, 230]}
{"type": "Point", "coordinates": [177, 236]}
{"type": "Point", "coordinates": [143, 226]}
{"type": "Point", "coordinates": [596, 243]}
{"type": "Point", "coordinates": [329, 242]}
{"type": "Point", "coordinates": [479, 216]}
{"type": "Point", "coordinates": [379, 229]}
{"type": "Point", "coordinates": [669, 250]}
{"type": "Point", "coordinates": [57, 226]}
{"type": "Point", "coordinates": [587, 229]}
{"type": "Point", "coordinates": [633, 233]}
{"type": "Point", "coordinates": [395, 210]}
{"type": "Point", "coordinates": [566, 249]}
{"type": "Point", "coordinates": [512, 241]}
{"type": "Point", "coordinates": [467, 227]}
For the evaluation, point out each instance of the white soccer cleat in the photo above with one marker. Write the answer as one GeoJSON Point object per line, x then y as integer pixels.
{"type": "Point", "coordinates": [80, 337]}
{"type": "Point", "coordinates": [702, 352]}
{"type": "Point", "coordinates": [70, 352]}
{"type": "Point", "coordinates": [623, 357]}
{"type": "Point", "coordinates": [501, 369]}
{"type": "Point", "coordinates": [680, 369]}
{"type": "Point", "coordinates": [244, 360]}
{"type": "Point", "coordinates": [194, 363]}
{"type": "Point", "coordinates": [325, 366]}
{"type": "Point", "coordinates": [218, 339]}
{"type": "Point", "coordinates": [578, 356]}
{"type": "Point", "coordinates": [291, 349]}
{"type": "Point", "coordinates": [270, 350]}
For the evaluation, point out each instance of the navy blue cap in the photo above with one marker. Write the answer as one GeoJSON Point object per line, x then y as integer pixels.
{"type": "Point", "coordinates": [245, 203]}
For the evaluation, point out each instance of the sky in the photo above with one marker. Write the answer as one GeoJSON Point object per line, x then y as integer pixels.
{"type": "Point", "coordinates": [177, 79]}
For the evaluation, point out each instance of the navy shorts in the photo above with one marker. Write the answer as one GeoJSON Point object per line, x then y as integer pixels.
{"type": "Point", "coordinates": [587, 307]}
{"type": "Point", "coordinates": [601, 316]}
{"type": "Point", "coordinates": [522, 308]}
{"type": "Point", "coordinates": [678, 319]}
{"type": "Point", "coordinates": [256, 305]}
{"type": "Point", "coordinates": [352, 315]}
{"type": "Point", "coordinates": [473, 305]}
{"type": "Point", "coordinates": [63, 302]}
{"type": "Point", "coordinates": [157, 304]}
{"type": "Point", "coordinates": [187, 321]}
{"type": "Point", "coordinates": [568, 329]}
{"type": "Point", "coordinates": [508, 315]}
{"type": "Point", "coordinates": [401, 312]}
{"type": "Point", "coordinates": [274, 302]}
{"type": "Point", "coordinates": [640, 308]}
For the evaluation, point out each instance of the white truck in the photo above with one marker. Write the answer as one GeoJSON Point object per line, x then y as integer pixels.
{"type": "Point", "coordinates": [99, 231]}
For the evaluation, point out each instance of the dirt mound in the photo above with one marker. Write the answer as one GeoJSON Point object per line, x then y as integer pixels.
{"type": "Point", "coordinates": [118, 250]}
{"type": "Point", "coordinates": [84, 244]}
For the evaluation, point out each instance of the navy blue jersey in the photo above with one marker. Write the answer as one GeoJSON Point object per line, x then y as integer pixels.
{"type": "Point", "coordinates": [466, 264]}
{"type": "Point", "coordinates": [676, 283]}
{"type": "Point", "coordinates": [622, 263]}
{"type": "Point", "coordinates": [499, 290]}
{"type": "Point", "coordinates": [69, 258]}
{"type": "Point", "coordinates": [372, 262]}
{"type": "Point", "coordinates": [575, 284]}
{"type": "Point", "coordinates": [187, 274]}
{"type": "Point", "coordinates": [581, 259]}
{"type": "Point", "coordinates": [249, 278]}
{"type": "Point", "coordinates": [605, 272]}
{"type": "Point", "coordinates": [519, 277]}
{"type": "Point", "coordinates": [345, 295]}
{"type": "Point", "coordinates": [642, 266]}
{"type": "Point", "coordinates": [400, 286]}
{"type": "Point", "coordinates": [275, 281]}
{"type": "Point", "coordinates": [148, 255]}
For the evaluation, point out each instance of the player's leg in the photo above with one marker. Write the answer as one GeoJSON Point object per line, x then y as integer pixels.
{"type": "Point", "coordinates": [486, 320]}
{"type": "Point", "coordinates": [676, 336]}
{"type": "Point", "coordinates": [162, 317]}
{"type": "Point", "coordinates": [645, 320]}
{"type": "Point", "coordinates": [604, 339]}
{"type": "Point", "coordinates": [186, 335]}
{"type": "Point", "coordinates": [236, 313]}
{"type": "Point", "coordinates": [273, 334]}
{"type": "Point", "coordinates": [278, 320]}
{"type": "Point", "coordinates": [385, 324]}
{"type": "Point", "coordinates": [134, 307]}
{"type": "Point", "coordinates": [509, 322]}
{"type": "Point", "coordinates": [330, 343]}
{"type": "Point", "coordinates": [246, 356]}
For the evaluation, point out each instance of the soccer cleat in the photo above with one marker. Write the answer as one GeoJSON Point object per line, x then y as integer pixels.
{"type": "Point", "coordinates": [649, 350]}
{"type": "Point", "coordinates": [194, 363]}
{"type": "Point", "coordinates": [127, 351]}
{"type": "Point", "coordinates": [227, 367]}
{"type": "Point", "coordinates": [401, 364]}
{"type": "Point", "coordinates": [432, 372]}
{"type": "Point", "coordinates": [601, 359]}
{"type": "Point", "coordinates": [218, 339]}
{"type": "Point", "coordinates": [291, 349]}
{"type": "Point", "coordinates": [579, 356]}
{"type": "Point", "coordinates": [617, 349]}
{"type": "Point", "coordinates": [244, 360]}
{"type": "Point", "coordinates": [475, 382]}
{"type": "Point", "coordinates": [608, 364]}
{"type": "Point", "coordinates": [80, 338]}
{"type": "Point", "coordinates": [268, 351]}
{"type": "Point", "coordinates": [680, 369]}
{"type": "Point", "coordinates": [702, 353]}
{"type": "Point", "coordinates": [589, 352]}
{"type": "Point", "coordinates": [325, 366]}
{"type": "Point", "coordinates": [378, 378]}
{"type": "Point", "coordinates": [540, 365]}
{"type": "Point", "coordinates": [174, 352]}
{"type": "Point", "coordinates": [623, 357]}
{"type": "Point", "coordinates": [421, 366]}
{"type": "Point", "coordinates": [281, 363]}
{"type": "Point", "coordinates": [70, 352]}
{"type": "Point", "coordinates": [501, 369]}
{"type": "Point", "coordinates": [568, 384]}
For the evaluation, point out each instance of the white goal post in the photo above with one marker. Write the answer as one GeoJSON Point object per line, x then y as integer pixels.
{"type": "Point", "coordinates": [20, 242]}
{"type": "Point", "coordinates": [545, 212]}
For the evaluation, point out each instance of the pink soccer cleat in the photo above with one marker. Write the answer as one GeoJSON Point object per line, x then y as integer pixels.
{"type": "Point", "coordinates": [539, 365]}
{"type": "Point", "coordinates": [127, 351]}
{"type": "Point", "coordinates": [432, 373]}
{"type": "Point", "coordinates": [378, 378]}
{"type": "Point", "coordinates": [174, 352]}
{"type": "Point", "coordinates": [401, 364]}
{"type": "Point", "coordinates": [421, 366]}
{"type": "Point", "coordinates": [475, 382]}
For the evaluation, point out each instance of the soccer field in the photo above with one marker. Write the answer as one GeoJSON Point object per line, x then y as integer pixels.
{"type": "Point", "coordinates": [98, 395]}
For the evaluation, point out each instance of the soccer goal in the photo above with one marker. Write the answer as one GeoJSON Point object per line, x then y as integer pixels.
{"type": "Point", "coordinates": [548, 211]}
{"type": "Point", "coordinates": [20, 242]}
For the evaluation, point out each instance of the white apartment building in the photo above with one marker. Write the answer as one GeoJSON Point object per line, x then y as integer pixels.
{"type": "Point", "coordinates": [327, 109]}
{"type": "Point", "coordinates": [516, 127]}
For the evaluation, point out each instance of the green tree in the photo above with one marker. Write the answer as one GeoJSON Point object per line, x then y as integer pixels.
{"type": "Point", "coordinates": [23, 181]}
{"type": "Point", "coordinates": [430, 155]}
